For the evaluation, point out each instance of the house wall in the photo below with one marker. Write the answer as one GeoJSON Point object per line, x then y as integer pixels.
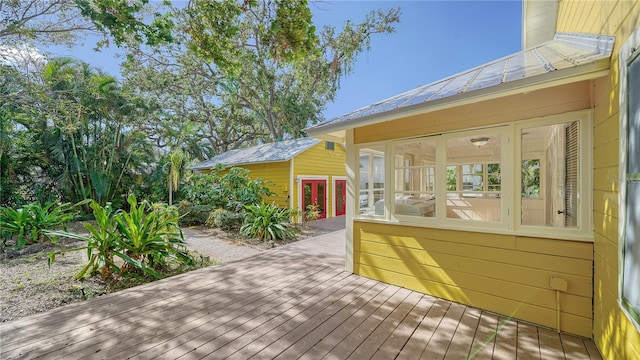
{"type": "Point", "coordinates": [276, 174]}
{"type": "Point", "coordinates": [561, 99]}
{"type": "Point", "coordinates": [318, 161]}
{"type": "Point", "coordinates": [615, 335]}
{"type": "Point", "coordinates": [506, 274]}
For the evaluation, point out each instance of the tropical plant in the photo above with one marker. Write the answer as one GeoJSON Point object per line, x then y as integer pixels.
{"type": "Point", "coordinates": [149, 238]}
{"type": "Point", "coordinates": [29, 223]}
{"type": "Point", "coordinates": [142, 240]}
{"type": "Point", "coordinates": [226, 188]}
{"type": "Point", "coordinates": [226, 220]}
{"type": "Point", "coordinates": [101, 243]}
{"type": "Point", "coordinates": [267, 222]}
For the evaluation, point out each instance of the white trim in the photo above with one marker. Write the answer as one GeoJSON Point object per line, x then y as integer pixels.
{"type": "Point", "coordinates": [351, 171]}
{"type": "Point", "coordinates": [291, 184]}
{"type": "Point", "coordinates": [333, 193]}
{"type": "Point", "coordinates": [625, 53]}
{"type": "Point", "coordinates": [510, 157]}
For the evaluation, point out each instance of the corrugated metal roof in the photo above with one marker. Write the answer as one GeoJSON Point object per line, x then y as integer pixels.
{"type": "Point", "coordinates": [565, 51]}
{"type": "Point", "coordinates": [272, 152]}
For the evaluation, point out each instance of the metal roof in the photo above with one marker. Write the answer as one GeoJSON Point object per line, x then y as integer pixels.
{"type": "Point", "coordinates": [566, 51]}
{"type": "Point", "coordinates": [272, 152]}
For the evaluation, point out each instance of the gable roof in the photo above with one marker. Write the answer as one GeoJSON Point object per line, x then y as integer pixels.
{"type": "Point", "coordinates": [271, 152]}
{"type": "Point", "coordinates": [567, 56]}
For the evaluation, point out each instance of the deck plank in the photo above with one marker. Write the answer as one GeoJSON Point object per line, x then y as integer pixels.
{"type": "Point", "coordinates": [350, 343]}
{"type": "Point", "coordinates": [326, 345]}
{"type": "Point", "coordinates": [385, 329]}
{"type": "Point", "coordinates": [441, 339]}
{"type": "Point", "coordinates": [460, 346]}
{"type": "Point", "coordinates": [294, 302]}
{"type": "Point", "coordinates": [528, 342]}
{"type": "Point", "coordinates": [394, 344]}
{"type": "Point", "coordinates": [506, 339]}
{"type": "Point", "coordinates": [485, 337]}
{"type": "Point", "coordinates": [422, 335]}
{"type": "Point", "coordinates": [574, 347]}
{"type": "Point", "coordinates": [550, 344]}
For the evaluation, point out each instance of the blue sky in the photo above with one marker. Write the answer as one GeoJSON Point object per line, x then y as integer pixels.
{"type": "Point", "coordinates": [434, 39]}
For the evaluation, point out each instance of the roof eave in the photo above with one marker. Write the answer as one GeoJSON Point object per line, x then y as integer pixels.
{"type": "Point", "coordinates": [552, 79]}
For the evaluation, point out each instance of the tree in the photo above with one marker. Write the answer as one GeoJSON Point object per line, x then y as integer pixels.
{"type": "Point", "coordinates": [63, 21]}
{"type": "Point", "coordinates": [243, 72]}
{"type": "Point", "coordinates": [279, 67]}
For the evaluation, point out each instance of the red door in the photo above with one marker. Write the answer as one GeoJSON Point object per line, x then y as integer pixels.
{"type": "Point", "coordinates": [341, 197]}
{"type": "Point", "coordinates": [314, 192]}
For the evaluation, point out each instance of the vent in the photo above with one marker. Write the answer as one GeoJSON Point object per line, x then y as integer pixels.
{"type": "Point", "coordinates": [329, 145]}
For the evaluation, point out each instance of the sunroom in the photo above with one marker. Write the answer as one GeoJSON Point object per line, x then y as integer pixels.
{"type": "Point", "coordinates": [478, 188]}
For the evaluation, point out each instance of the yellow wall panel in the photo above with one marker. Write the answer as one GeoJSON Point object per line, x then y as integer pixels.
{"type": "Point", "coordinates": [557, 100]}
{"type": "Point", "coordinates": [607, 154]}
{"type": "Point", "coordinates": [606, 202]}
{"type": "Point", "coordinates": [606, 178]}
{"type": "Point", "coordinates": [569, 249]}
{"type": "Point", "coordinates": [277, 176]}
{"type": "Point", "coordinates": [606, 132]}
{"type": "Point", "coordinates": [411, 234]}
{"type": "Point", "coordinates": [517, 309]}
{"type": "Point", "coordinates": [613, 332]}
{"type": "Point", "coordinates": [467, 269]}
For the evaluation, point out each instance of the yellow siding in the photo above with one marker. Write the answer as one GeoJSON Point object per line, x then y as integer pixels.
{"type": "Point", "coordinates": [566, 98]}
{"type": "Point", "coordinates": [276, 175]}
{"type": "Point", "coordinates": [317, 161]}
{"type": "Point", "coordinates": [613, 332]}
{"type": "Point", "coordinates": [506, 274]}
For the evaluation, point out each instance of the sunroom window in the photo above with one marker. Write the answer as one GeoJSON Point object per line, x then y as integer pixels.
{"type": "Point", "coordinates": [415, 178]}
{"type": "Point", "coordinates": [527, 177]}
{"type": "Point", "coordinates": [371, 181]}
{"type": "Point", "coordinates": [550, 175]}
{"type": "Point", "coordinates": [474, 183]}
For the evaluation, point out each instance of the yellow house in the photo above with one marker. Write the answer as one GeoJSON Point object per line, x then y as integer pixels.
{"type": "Point", "coordinates": [302, 172]}
{"type": "Point", "coordinates": [513, 186]}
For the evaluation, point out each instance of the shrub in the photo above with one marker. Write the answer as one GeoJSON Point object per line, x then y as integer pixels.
{"type": "Point", "coordinates": [267, 222]}
{"type": "Point", "coordinates": [226, 220]}
{"type": "Point", "coordinates": [225, 188]}
{"type": "Point", "coordinates": [28, 224]}
{"type": "Point", "coordinates": [194, 214]}
{"type": "Point", "coordinates": [143, 239]}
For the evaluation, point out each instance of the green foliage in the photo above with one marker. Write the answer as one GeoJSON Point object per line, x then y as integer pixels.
{"type": "Point", "coordinates": [226, 188]}
{"type": "Point", "coordinates": [29, 224]}
{"type": "Point", "coordinates": [149, 238]}
{"type": "Point", "coordinates": [142, 240]}
{"type": "Point", "coordinates": [451, 179]}
{"type": "Point", "coordinates": [124, 21]}
{"type": "Point", "coordinates": [226, 220]}
{"type": "Point", "coordinates": [531, 178]}
{"type": "Point", "coordinates": [191, 214]}
{"type": "Point", "coordinates": [267, 222]}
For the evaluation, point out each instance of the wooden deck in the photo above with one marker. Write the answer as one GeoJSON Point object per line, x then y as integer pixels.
{"type": "Point", "coordinates": [289, 303]}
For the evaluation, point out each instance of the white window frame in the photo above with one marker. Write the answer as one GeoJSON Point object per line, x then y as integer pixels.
{"type": "Point", "coordinates": [625, 54]}
{"type": "Point", "coordinates": [585, 183]}
{"type": "Point", "coordinates": [368, 148]}
{"type": "Point", "coordinates": [510, 165]}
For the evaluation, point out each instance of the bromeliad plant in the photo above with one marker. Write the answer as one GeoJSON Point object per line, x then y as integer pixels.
{"type": "Point", "coordinates": [135, 243]}
{"type": "Point", "coordinates": [29, 224]}
{"type": "Point", "coordinates": [267, 222]}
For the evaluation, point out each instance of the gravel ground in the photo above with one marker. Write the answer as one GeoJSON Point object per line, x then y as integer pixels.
{"type": "Point", "coordinates": [28, 285]}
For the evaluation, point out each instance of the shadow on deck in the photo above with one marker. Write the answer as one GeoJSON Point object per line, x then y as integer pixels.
{"type": "Point", "coordinates": [291, 302]}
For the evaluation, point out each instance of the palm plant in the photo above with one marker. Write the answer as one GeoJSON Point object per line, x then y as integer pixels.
{"type": "Point", "coordinates": [267, 222]}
